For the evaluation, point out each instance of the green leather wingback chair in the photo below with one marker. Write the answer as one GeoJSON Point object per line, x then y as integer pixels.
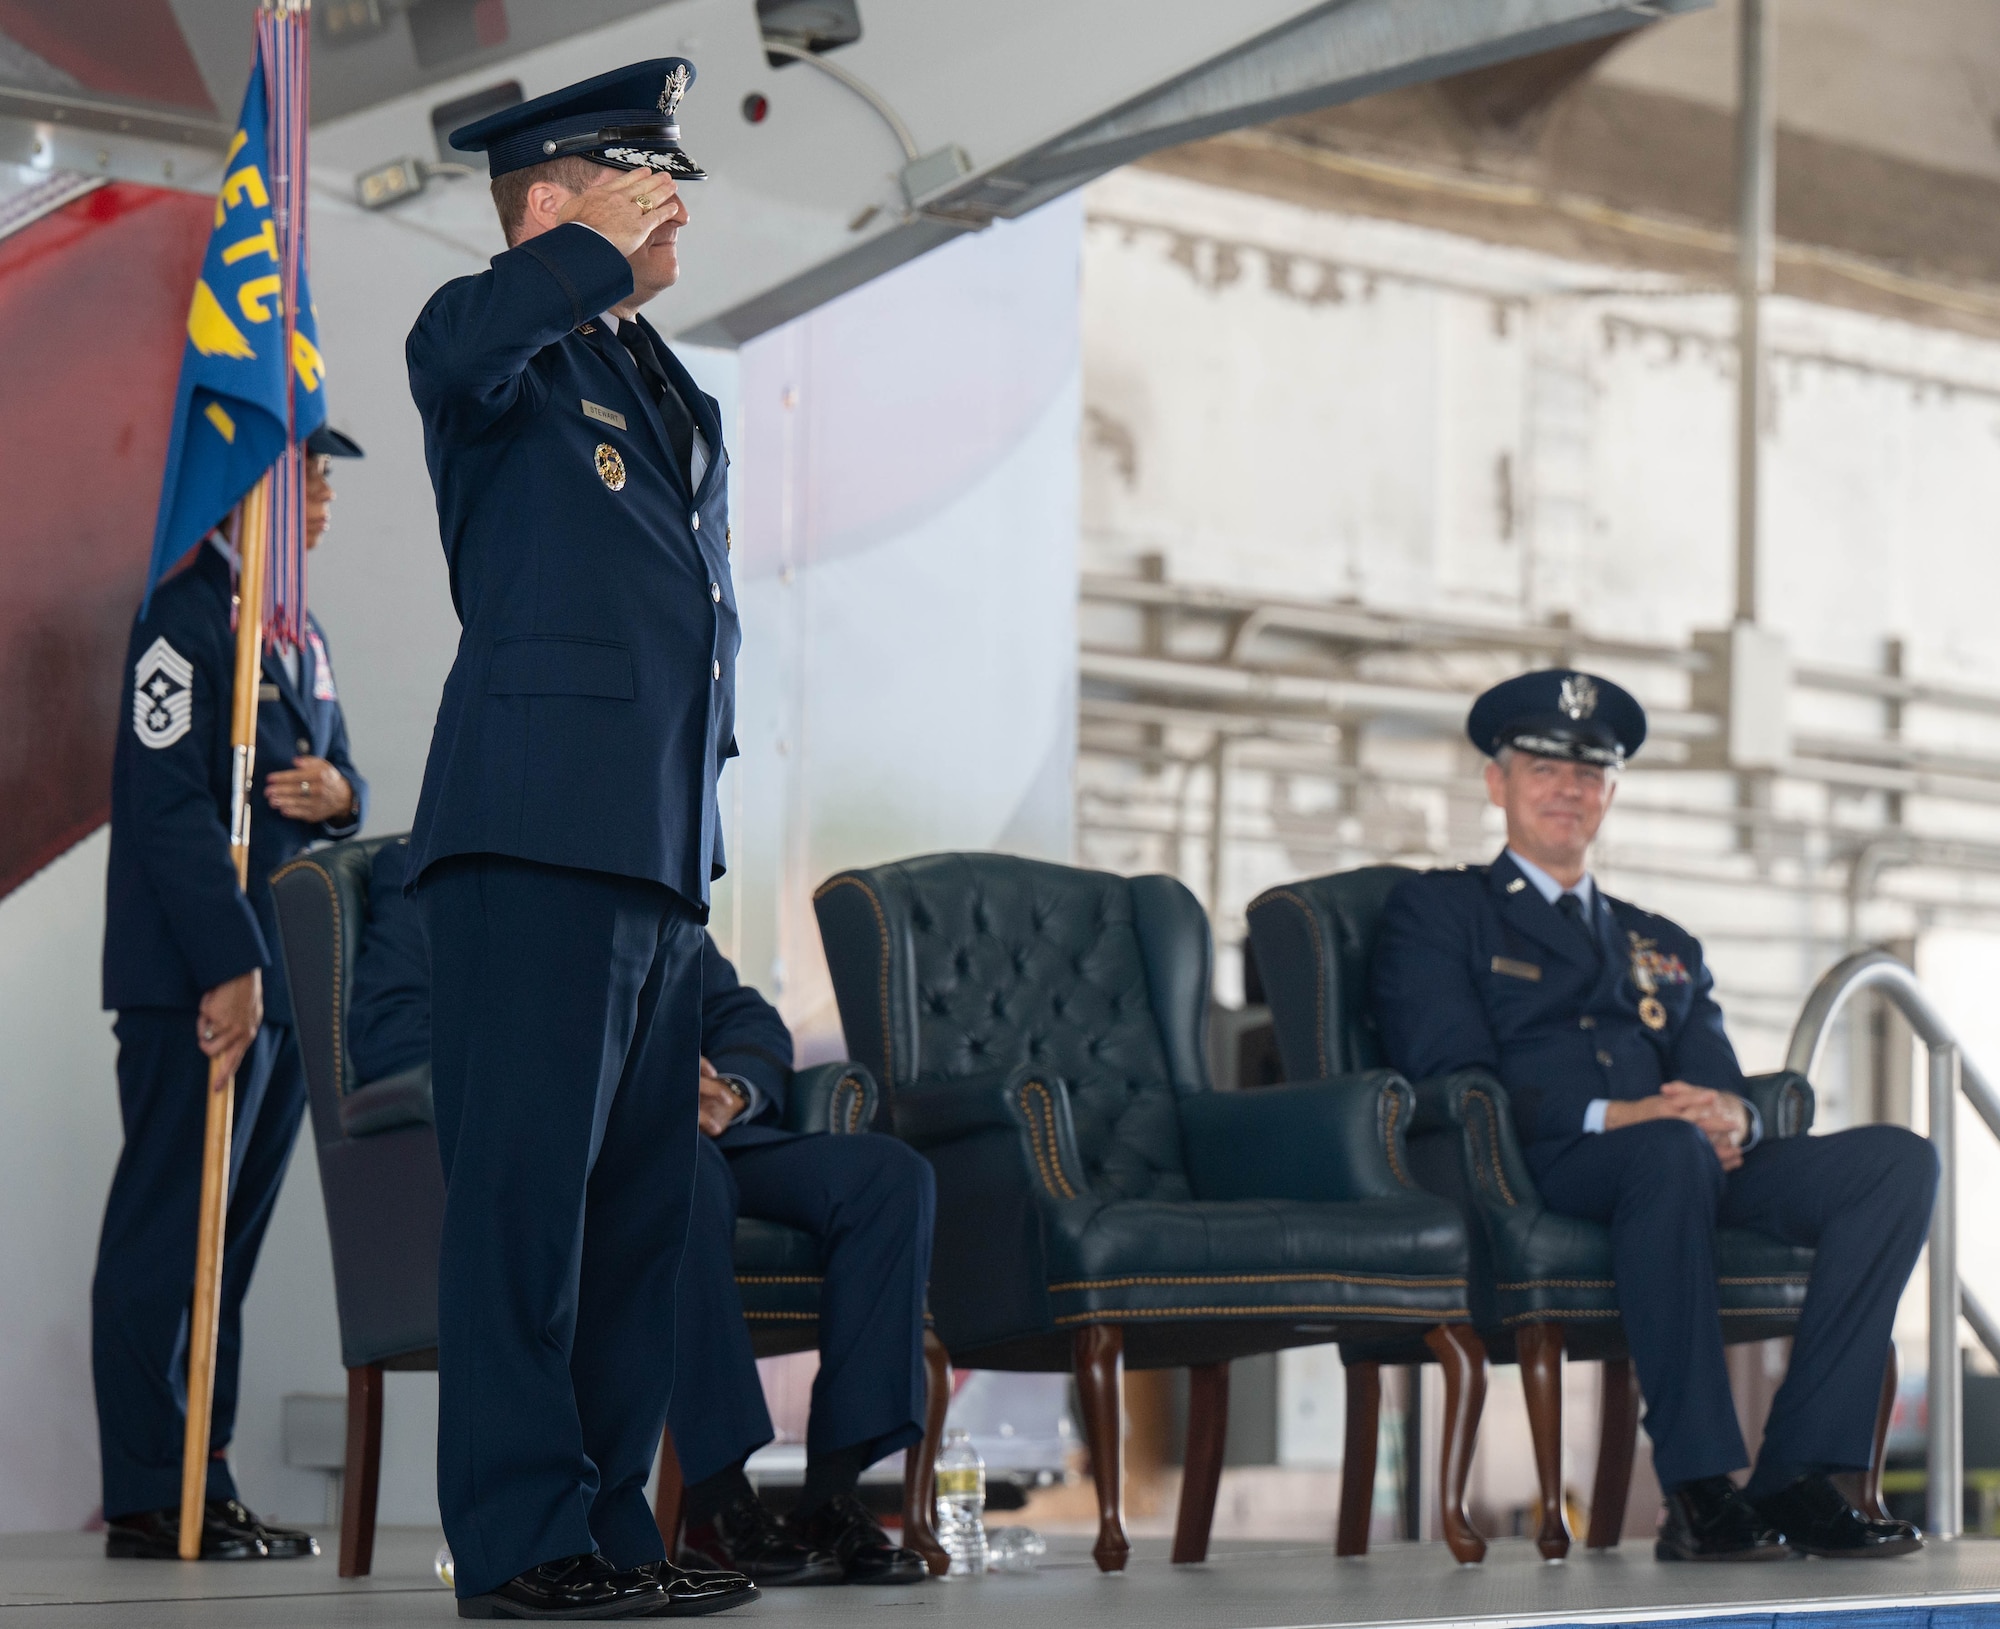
{"type": "Point", "coordinates": [1039, 1033]}
{"type": "Point", "coordinates": [1541, 1283]}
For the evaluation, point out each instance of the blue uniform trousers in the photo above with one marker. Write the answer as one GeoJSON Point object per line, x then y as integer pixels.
{"type": "Point", "coordinates": [139, 1298]}
{"type": "Point", "coordinates": [870, 1201]}
{"type": "Point", "coordinates": [1861, 1199]}
{"type": "Point", "coordinates": [566, 1026]}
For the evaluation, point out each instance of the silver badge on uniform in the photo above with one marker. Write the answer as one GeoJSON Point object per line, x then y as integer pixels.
{"type": "Point", "coordinates": [162, 695]}
{"type": "Point", "coordinates": [1578, 697]}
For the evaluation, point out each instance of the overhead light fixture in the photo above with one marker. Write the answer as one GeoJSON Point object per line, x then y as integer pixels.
{"type": "Point", "coordinates": [402, 178]}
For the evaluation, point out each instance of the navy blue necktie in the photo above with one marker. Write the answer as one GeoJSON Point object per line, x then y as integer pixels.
{"type": "Point", "coordinates": [673, 411]}
{"type": "Point", "coordinates": [1571, 905]}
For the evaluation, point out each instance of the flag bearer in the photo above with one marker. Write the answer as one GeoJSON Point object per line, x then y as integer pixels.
{"type": "Point", "coordinates": [191, 968]}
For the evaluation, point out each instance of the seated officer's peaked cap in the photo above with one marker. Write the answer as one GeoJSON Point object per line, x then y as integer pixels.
{"type": "Point", "coordinates": [625, 120]}
{"type": "Point", "coordinates": [1559, 713]}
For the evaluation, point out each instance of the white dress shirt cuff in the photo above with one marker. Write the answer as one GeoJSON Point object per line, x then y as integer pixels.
{"type": "Point", "coordinates": [1593, 1117]}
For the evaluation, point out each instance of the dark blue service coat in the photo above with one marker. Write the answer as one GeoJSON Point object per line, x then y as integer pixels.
{"type": "Point", "coordinates": [590, 707]}
{"type": "Point", "coordinates": [1474, 969]}
{"type": "Point", "coordinates": [175, 923]}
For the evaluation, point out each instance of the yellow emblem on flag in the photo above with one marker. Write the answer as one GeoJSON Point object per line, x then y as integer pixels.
{"type": "Point", "coordinates": [306, 360]}
{"type": "Point", "coordinates": [210, 329]}
{"type": "Point", "coordinates": [224, 424]}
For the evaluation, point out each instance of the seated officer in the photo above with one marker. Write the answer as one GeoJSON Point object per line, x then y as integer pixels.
{"type": "Point", "coordinates": [867, 1198]}
{"type": "Point", "coordinates": [1599, 1019]}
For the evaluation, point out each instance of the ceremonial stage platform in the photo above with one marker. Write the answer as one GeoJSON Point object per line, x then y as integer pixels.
{"type": "Point", "coordinates": [63, 1580]}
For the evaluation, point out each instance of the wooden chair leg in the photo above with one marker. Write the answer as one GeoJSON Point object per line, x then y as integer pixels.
{"type": "Point", "coordinates": [1617, 1438]}
{"type": "Point", "coordinates": [1201, 1473]}
{"type": "Point", "coordinates": [1540, 1347]}
{"type": "Point", "coordinates": [1099, 1355]}
{"type": "Point", "coordinates": [1871, 1483]}
{"type": "Point", "coordinates": [1462, 1356]}
{"type": "Point", "coordinates": [361, 1481]}
{"type": "Point", "coordinates": [670, 1499]}
{"type": "Point", "coordinates": [920, 1463]}
{"type": "Point", "coordinates": [1357, 1467]}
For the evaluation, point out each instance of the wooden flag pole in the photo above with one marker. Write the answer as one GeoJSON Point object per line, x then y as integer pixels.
{"type": "Point", "coordinates": [253, 544]}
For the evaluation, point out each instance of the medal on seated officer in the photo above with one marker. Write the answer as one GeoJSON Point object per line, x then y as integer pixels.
{"type": "Point", "coordinates": [563, 848]}
{"type": "Point", "coordinates": [867, 1199]}
{"type": "Point", "coordinates": [1600, 1021]}
{"type": "Point", "coordinates": [190, 967]}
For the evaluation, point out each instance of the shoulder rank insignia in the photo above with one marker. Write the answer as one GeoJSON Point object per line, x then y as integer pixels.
{"type": "Point", "coordinates": [1517, 885]}
{"type": "Point", "coordinates": [610, 467]}
{"type": "Point", "coordinates": [162, 695]}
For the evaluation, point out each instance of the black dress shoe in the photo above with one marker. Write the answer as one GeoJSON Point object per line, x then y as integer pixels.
{"type": "Point", "coordinates": [280, 1543]}
{"type": "Point", "coordinates": [155, 1535]}
{"type": "Point", "coordinates": [694, 1592]}
{"type": "Point", "coordinates": [1710, 1520]}
{"type": "Point", "coordinates": [577, 1586]}
{"type": "Point", "coordinates": [843, 1527]}
{"type": "Point", "coordinates": [745, 1537]}
{"type": "Point", "coordinates": [1816, 1519]}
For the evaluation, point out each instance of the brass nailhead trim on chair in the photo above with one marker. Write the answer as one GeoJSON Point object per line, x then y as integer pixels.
{"type": "Point", "coordinates": [1396, 1314]}
{"type": "Point", "coordinates": [1041, 1118]}
{"type": "Point", "coordinates": [1259, 1278]}
{"type": "Point", "coordinates": [1493, 1142]}
{"type": "Point", "coordinates": [1389, 1136]}
{"type": "Point", "coordinates": [333, 902]}
{"type": "Point", "coordinates": [881, 927]}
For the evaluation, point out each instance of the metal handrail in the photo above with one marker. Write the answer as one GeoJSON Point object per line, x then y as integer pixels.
{"type": "Point", "coordinates": [1951, 1074]}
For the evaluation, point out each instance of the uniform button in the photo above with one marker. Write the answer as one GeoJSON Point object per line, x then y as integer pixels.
{"type": "Point", "coordinates": [1586, 1022]}
{"type": "Point", "coordinates": [305, 746]}
{"type": "Point", "coordinates": [1604, 1058]}
{"type": "Point", "coordinates": [715, 672]}
{"type": "Point", "coordinates": [715, 592]}
{"type": "Point", "coordinates": [695, 521]}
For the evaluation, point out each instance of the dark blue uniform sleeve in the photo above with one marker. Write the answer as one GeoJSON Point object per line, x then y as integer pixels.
{"type": "Point", "coordinates": [741, 1032]}
{"type": "Point", "coordinates": [177, 832]}
{"type": "Point", "coordinates": [1701, 1053]}
{"type": "Point", "coordinates": [389, 1014]}
{"type": "Point", "coordinates": [469, 352]}
{"type": "Point", "coordinates": [1426, 1004]}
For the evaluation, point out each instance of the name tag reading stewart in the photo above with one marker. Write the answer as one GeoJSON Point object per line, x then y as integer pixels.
{"type": "Point", "coordinates": [1517, 970]}
{"type": "Point", "coordinates": [604, 415]}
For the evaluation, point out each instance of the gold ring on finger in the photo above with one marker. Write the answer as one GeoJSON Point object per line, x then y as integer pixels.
{"type": "Point", "coordinates": [645, 203]}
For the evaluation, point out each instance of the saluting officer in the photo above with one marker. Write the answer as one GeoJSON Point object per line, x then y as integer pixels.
{"type": "Point", "coordinates": [1600, 1020]}
{"type": "Point", "coordinates": [191, 967]}
{"type": "Point", "coordinates": [563, 848]}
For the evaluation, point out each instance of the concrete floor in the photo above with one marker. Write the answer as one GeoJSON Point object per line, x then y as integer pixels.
{"type": "Point", "coordinates": [63, 1579]}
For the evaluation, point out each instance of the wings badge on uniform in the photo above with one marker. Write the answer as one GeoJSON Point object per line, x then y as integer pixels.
{"type": "Point", "coordinates": [162, 695]}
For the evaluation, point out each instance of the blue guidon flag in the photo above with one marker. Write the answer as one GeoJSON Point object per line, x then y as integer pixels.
{"type": "Point", "coordinates": [245, 338]}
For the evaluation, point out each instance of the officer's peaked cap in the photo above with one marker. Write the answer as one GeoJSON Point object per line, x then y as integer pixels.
{"type": "Point", "coordinates": [627, 120]}
{"type": "Point", "coordinates": [327, 442]}
{"type": "Point", "coordinates": [1559, 713]}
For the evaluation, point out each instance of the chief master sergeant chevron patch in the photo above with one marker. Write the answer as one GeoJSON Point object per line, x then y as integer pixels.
{"type": "Point", "coordinates": [162, 695]}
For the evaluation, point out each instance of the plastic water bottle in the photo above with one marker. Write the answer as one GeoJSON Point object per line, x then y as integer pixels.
{"type": "Point", "coordinates": [442, 1565]}
{"type": "Point", "coordinates": [1016, 1549]}
{"type": "Point", "coordinates": [961, 1505]}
